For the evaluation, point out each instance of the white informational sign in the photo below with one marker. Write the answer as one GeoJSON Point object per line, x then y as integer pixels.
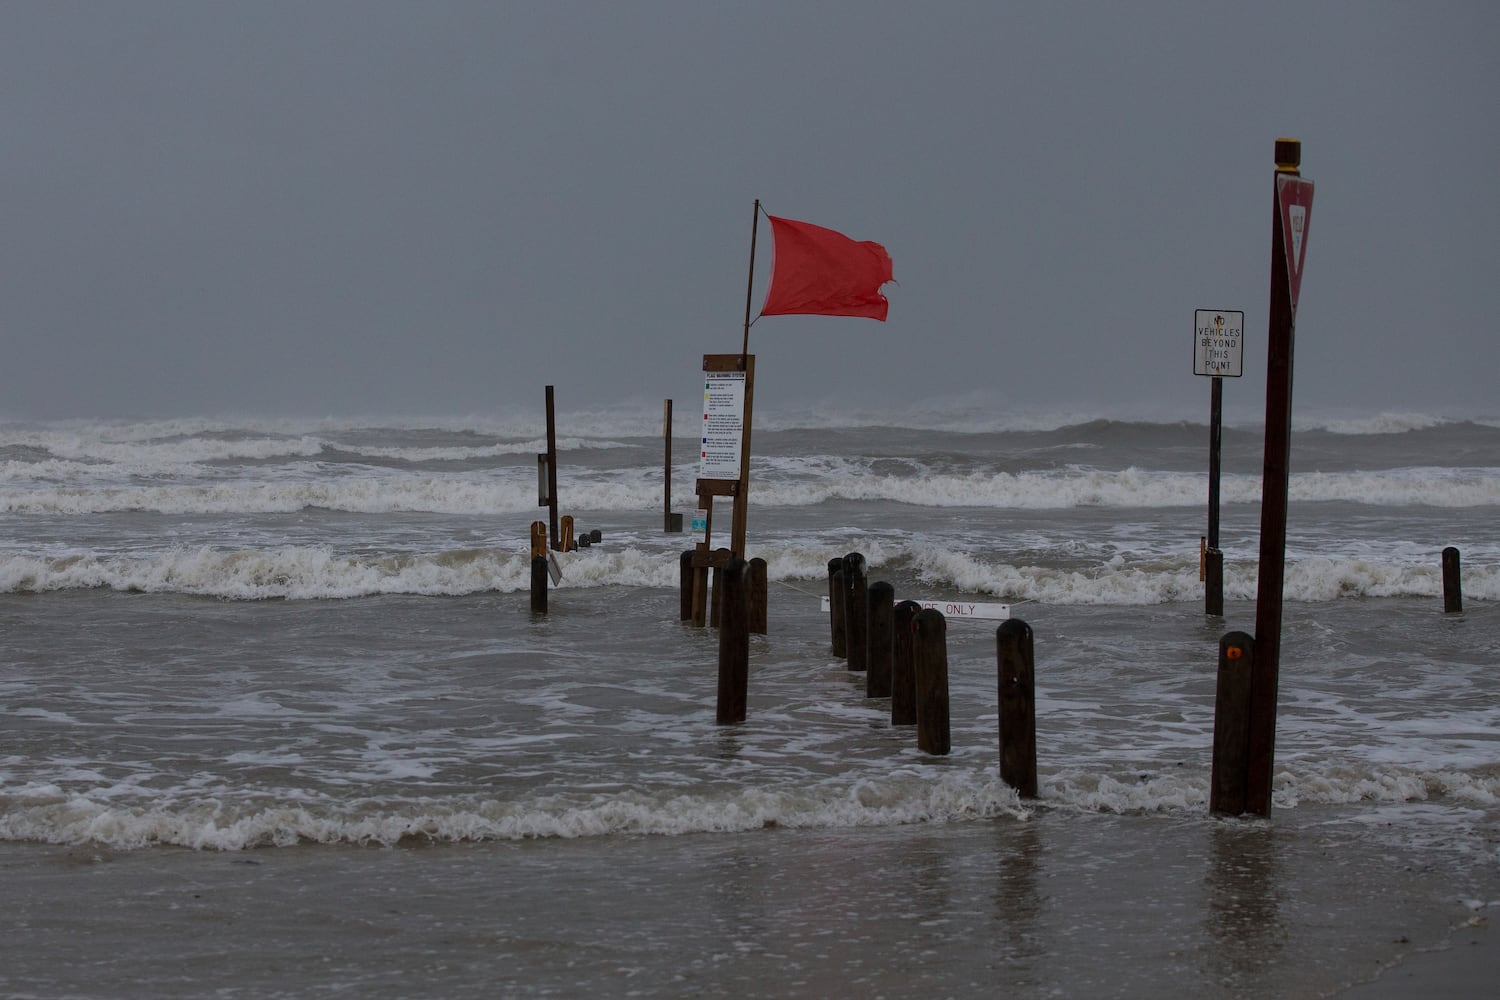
{"type": "Point", "coordinates": [1218, 342]}
{"type": "Point", "coordinates": [957, 609]}
{"type": "Point", "coordinates": [723, 425]}
{"type": "Point", "coordinates": [700, 522]}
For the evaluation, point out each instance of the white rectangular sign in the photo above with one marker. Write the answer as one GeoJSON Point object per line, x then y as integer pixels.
{"type": "Point", "coordinates": [1218, 342]}
{"type": "Point", "coordinates": [958, 609]}
{"type": "Point", "coordinates": [723, 425]}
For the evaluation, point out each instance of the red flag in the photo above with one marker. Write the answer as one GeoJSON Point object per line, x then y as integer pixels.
{"type": "Point", "coordinates": [819, 272]}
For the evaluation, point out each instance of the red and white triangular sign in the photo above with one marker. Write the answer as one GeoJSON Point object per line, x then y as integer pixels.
{"type": "Point", "coordinates": [1294, 197]}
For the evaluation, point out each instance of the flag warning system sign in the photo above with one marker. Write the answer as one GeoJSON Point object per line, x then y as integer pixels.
{"type": "Point", "coordinates": [1218, 342]}
{"type": "Point", "coordinates": [723, 425]}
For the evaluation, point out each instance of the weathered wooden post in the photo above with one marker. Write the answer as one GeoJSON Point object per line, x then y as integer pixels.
{"type": "Point", "coordinates": [1291, 211]}
{"type": "Point", "coordinates": [551, 464]}
{"type": "Point", "coordinates": [565, 540]}
{"type": "Point", "coordinates": [903, 670]}
{"type": "Point", "coordinates": [716, 599]}
{"type": "Point", "coordinates": [538, 567]}
{"type": "Point", "coordinates": [930, 656]}
{"type": "Point", "coordinates": [1229, 781]}
{"type": "Point", "coordinates": [856, 610]}
{"type": "Point", "coordinates": [1016, 673]}
{"type": "Point", "coordinates": [880, 646]}
{"type": "Point", "coordinates": [758, 596]}
{"type": "Point", "coordinates": [1453, 587]}
{"type": "Point", "coordinates": [837, 594]}
{"type": "Point", "coordinates": [734, 641]}
{"type": "Point", "coordinates": [685, 584]}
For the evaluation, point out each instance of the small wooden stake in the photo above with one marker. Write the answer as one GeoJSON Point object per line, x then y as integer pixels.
{"type": "Point", "coordinates": [880, 639]}
{"type": "Point", "coordinates": [1016, 672]}
{"type": "Point", "coordinates": [930, 654]}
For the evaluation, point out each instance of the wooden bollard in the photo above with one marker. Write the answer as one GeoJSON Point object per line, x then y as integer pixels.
{"type": "Point", "coordinates": [856, 610]}
{"type": "Point", "coordinates": [716, 597]}
{"type": "Point", "coordinates": [837, 594]}
{"type": "Point", "coordinates": [1453, 587]}
{"type": "Point", "coordinates": [538, 567]}
{"type": "Point", "coordinates": [685, 584]}
{"type": "Point", "coordinates": [565, 540]}
{"type": "Point", "coordinates": [1213, 585]}
{"type": "Point", "coordinates": [734, 641]}
{"type": "Point", "coordinates": [880, 645]}
{"type": "Point", "coordinates": [1230, 778]}
{"type": "Point", "coordinates": [930, 657]}
{"type": "Point", "coordinates": [903, 671]}
{"type": "Point", "coordinates": [1016, 673]}
{"type": "Point", "coordinates": [758, 596]}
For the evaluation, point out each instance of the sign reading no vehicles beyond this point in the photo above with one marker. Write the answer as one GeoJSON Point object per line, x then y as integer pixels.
{"type": "Point", "coordinates": [1218, 342]}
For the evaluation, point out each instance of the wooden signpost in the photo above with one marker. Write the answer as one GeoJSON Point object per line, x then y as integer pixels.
{"type": "Point", "coordinates": [1291, 208]}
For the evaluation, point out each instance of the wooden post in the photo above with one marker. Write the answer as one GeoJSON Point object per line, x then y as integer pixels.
{"type": "Point", "coordinates": [716, 613]}
{"type": "Point", "coordinates": [837, 593]}
{"type": "Point", "coordinates": [538, 568]}
{"type": "Point", "coordinates": [880, 645]}
{"type": "Point", "coordinates": [856, 610]}
{"type": "Point", "coordinates": [903, 671]}
{"type": "Point", "coordinates": [1275, 480]}
{"type": "Point", "coordinates": [670, 523]}
{"type": "Point", "coordinates": [1228, 789]}
{"type": "Point", "coordinates": [734, 643]}
{"type": "Point", "coordinates": [1015, 675]}
{"type": "Point", "coordinates": [1453, 587]}
{"type": "Point", "coordinates": [551, 470]}
{"type": "Point", "coordinates": [758, 596]}
{"type": "Point", "coordinates": [685, 584]}
{"type": "Point", "coordinates": [565, 540]}
{"type": "Point", "coordinates": [930, 656]}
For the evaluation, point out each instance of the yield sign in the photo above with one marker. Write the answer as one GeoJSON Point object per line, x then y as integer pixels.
{"type": "Point", "coordinates": [1294, 196]}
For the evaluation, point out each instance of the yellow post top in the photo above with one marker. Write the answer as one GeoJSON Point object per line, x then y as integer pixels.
{"type": "Point", "coordinates": [1288, 155]}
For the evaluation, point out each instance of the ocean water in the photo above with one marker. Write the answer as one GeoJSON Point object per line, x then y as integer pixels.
{"type": "Point", "coordinates": [275, 717]}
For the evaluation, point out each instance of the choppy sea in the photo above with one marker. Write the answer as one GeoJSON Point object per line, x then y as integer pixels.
{"type": "Point", "coordinates": [276, 719]}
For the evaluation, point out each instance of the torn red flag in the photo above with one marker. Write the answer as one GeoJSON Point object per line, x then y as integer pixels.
{"type": "Point", "coordinates": [819, 272]}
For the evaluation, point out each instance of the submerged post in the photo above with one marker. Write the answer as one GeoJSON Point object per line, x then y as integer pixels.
{"type": "Point", "coordinates": [1453, 587]}
{"type": "Point", "coordinates": [837, 598]}
{"type": "Point", "coordinates": [881, 640]}
{"type": "Point", "coordinates": [1016, 673]}
{"type": "Point", "coordinates": [734, 642]}
{"type": "Point", "coordinates": [685, 584]}
{"type": "Point", "coordinates": [757, 583]}
{"type": "Point", "coordinates": [1228, 787]}
{"type": "Point", "coordinates": [538, 568]}
{"type": "Point", "coordinates": [930, 654]}
{"type": "Point", "coordinates": [856, 610]}
{"type": "Point", "coordinates": [903, 670]}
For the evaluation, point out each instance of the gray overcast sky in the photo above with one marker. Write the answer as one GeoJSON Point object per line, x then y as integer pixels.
{"type": "Point", "coordinates": [436, 208]}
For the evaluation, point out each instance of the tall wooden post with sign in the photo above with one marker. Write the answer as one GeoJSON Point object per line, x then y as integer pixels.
{"type": "Point", "coordinates": [1291, 209]}
{"type": "Point", "coordinates": [1218, 351]}
{"type": "Point", "coordinates": [723, 463]}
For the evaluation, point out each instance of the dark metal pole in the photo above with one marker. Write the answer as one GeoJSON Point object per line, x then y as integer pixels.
{"type": "Point", "coordinates": [552, 471]}
{"type": "Point", "coordinates": [1213, 590]}
{"type": "Point", "coordinates": [750, 282]}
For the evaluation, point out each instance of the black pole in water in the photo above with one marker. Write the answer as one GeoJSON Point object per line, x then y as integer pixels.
{"type": "Point", "coordinates": [837, 600]}
{"type": "Point", "coordinates": [734, 642]}
{"type": "Point", "coordinates": [903, 670]}
{"type": "Point", "coordinates": [538, 568]}
{"type": "Point", "coordinates": [856, 610]}
{"type": "Point", "coordinates": [1453, 588]}
{"type": "Point", "coordinates": [1016, 678]}
{"type": "Point", "coordinates": [881, 640]}
{"type": "Point", "coordinates": [930, 655]}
